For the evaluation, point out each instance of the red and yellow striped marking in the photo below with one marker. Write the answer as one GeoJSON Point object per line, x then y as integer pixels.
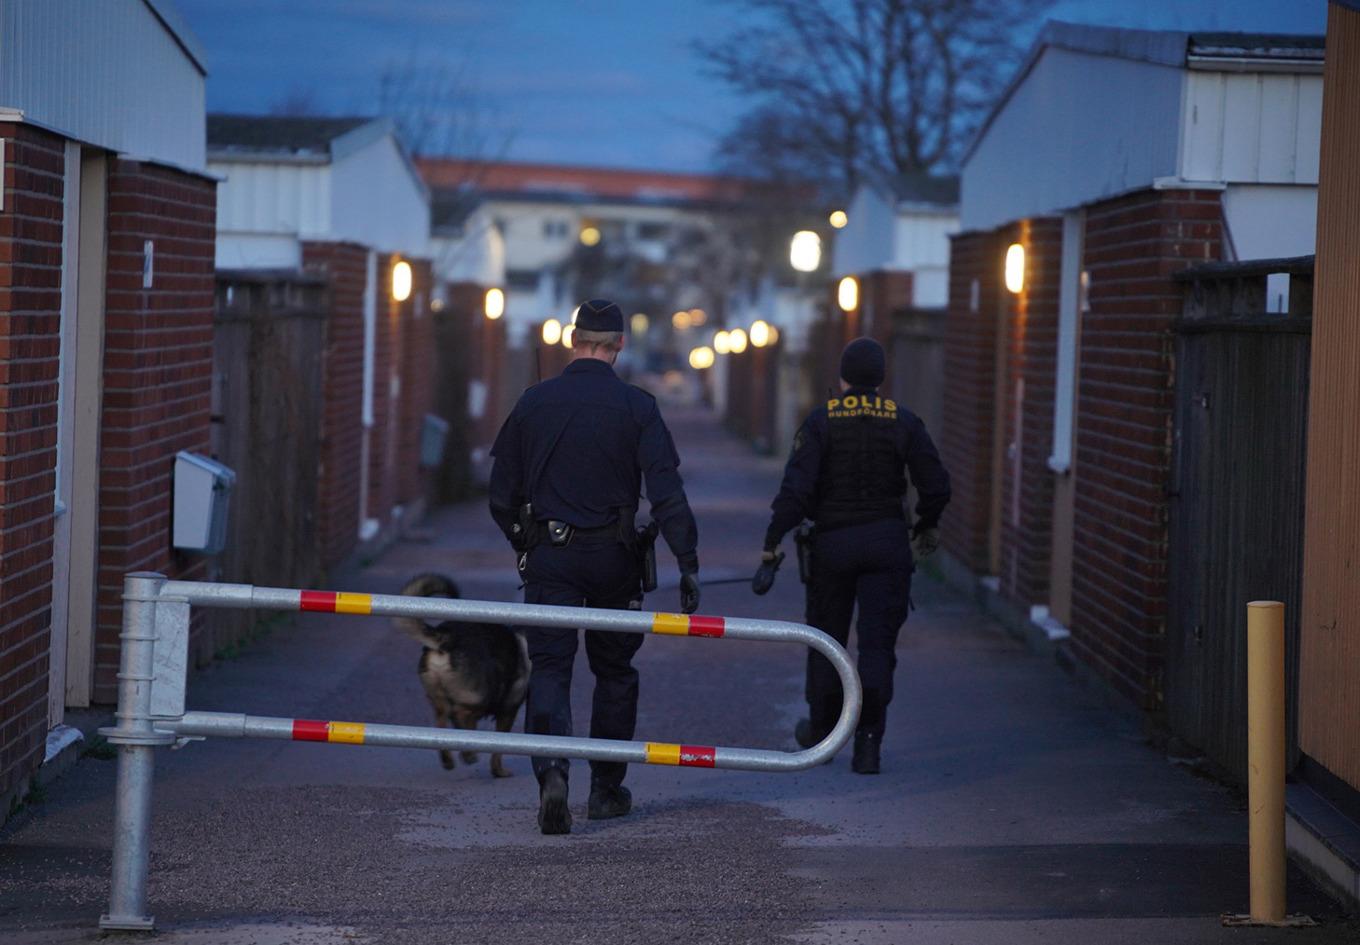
{"type": "Point", "coordinates": [682, 625]}
{"type": "Point", "coordinates": [687, 756]}
{"type": "Point", "coordinates": [333, 602]}
{"type": "Point", "coordinates": [344, 733]}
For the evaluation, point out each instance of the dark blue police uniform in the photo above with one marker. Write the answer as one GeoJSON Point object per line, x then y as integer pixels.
{"type": "Point", "coordinates": [846, 474]}
{"type": "Point", "coordinates": [577, 449]}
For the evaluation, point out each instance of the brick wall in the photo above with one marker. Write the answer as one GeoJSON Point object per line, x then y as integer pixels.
{"type": "Point", "coordinates": [1032, 345]}
{"type": "Point", "coordinates": [417, 384]}
{"type": "Point", "coordinates": [157, 379]}
{"type": "Point", "coordinates": [30, 325]}
{"type": "Point", "coordinates": [345, 267]}
{"type": "Point", "coordinates": [1133, 246]}
{"type": "Point", "coordinates": [965, 441]}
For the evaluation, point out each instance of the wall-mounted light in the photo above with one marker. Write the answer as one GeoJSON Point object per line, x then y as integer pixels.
{"type": "Point", "coordinates": [494, 304]}
{"type": "Point", "coordinates": [847, 294]}
{"type": "Point", "coordinates": [1015, 268]}
{"type": "Point", "coordinates": [805, 251]}
{"type": "Point", "coordinates": [590, 235]}
{"type": "Point", "coordinates": [639, 323]}
{"type": "Point", "coordinates": [701, 358]}
{"type": "Point", "coordinates": [760, 333]}
{"type": "Point", "coordinates": [401, 281]}
{"type": "Point", "coordinates": [736, 341]}
{"type": "Point", "coordinates": [682, 321]}
{"type": "Point", "coordinates": [838, 218]}
{"type": "Point", "coordinates": [722, 343]}
{"type": "Point", "coordinates": [566, 335]}
{"type": "Point", "coordinates": [697, 316]}
{"type": "Point", "coordinates": [552, 331]}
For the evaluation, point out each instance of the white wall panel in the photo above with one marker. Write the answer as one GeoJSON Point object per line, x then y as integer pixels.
{"type": "Point", "coordinates": [290, 199]}
{"type": "Point", "coordinates": [108, 73]}
{"type": "Point", "coordinates": [1079, 128]}
{"type": "Point", "coordinates": [376, 200]}
{"type": "Point", "coordinates": [245, 251]}
{"type": "Point", "coordinates": [1271, 221]}
{"type": "Point", "coordinates": [922, 239]}
{"type": "Point", "coordinates": [1251, 127]}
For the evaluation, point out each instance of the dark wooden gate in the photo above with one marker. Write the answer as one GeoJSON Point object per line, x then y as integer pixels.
{"type": "Point", "coordinates": [1236, 529]}
{"type": "Point", "coordinates": [269, 335]}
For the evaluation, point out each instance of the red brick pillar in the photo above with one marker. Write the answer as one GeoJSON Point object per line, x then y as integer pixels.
{"type": "Point", "coordinates": [1032, 346]}
{"type": "Point", "coordinates": [345, 266]}
{"type": "Point", "coordinates": [157, 378]}
{"type": "Point", "coordinates": [30, 346]}
{"type": "Point", "coordinates": [969, 378]}
{"type": "Point", "coordinates": [1134, 244]}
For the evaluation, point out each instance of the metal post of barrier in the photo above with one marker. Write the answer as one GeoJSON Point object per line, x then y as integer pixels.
{"type": "Point", "coordinates": [136, 739]}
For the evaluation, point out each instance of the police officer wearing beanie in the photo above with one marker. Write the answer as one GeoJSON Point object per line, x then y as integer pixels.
{"type": "Point", "coordinates": [569, 464]}
{"type": "Point", "coordinates": [846, 474]}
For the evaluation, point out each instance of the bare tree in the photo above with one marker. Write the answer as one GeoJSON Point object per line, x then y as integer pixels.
{"type": "Point", "coordinates": [844, 88]}
{"type": "Point", "coordinates": [437, 110]}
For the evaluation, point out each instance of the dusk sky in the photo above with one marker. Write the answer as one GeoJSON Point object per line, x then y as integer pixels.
{"type": "Point", "coordinates": [609, 82]}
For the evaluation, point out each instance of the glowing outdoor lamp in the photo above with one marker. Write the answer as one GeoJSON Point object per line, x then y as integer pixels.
{"type": "Point", "coordinates": [722, 343]}
{"type": "Point", "coordinates": [838, 218]}
{"type": "Point", "coordinates": [736, 341]}
{"type": "Point", "coordinates": [590, 236]}
{"type": "Point", "coordinates": [494, 303]}
{"type": "Point", "coordinates": [639, 323]}
{"type": "Point", "coordinates": [566, 335]}
{"type": "Point", "coordinates": [701, 358]}
{"type": "Point", "coordinates": [682, 321]}
{"type": "Point", "coordinates": [401, 281]}
{"type": "Point", "coordinates": [805, 251]}
{"type": "Point", "coordinates": [847, 294]}
{"type": "Point", "coordinates": [760, 333]}
{"type": "Point", "coordinates": [552, 331]}
{"type": "Point", "coordinates": [1015, 268]}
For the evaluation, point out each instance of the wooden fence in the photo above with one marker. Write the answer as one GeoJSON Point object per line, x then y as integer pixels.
{"type": "Point", "coordinates": [268, 339]}
{"type": "Point", "coordinates": [1237, 494]}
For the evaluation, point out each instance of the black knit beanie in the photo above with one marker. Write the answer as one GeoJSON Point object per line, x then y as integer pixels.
{"type": "Point", "coordinates": [863, 363]}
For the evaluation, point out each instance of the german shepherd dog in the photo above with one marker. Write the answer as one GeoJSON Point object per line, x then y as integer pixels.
{"type": "Point", "coordinates": [469, 670]}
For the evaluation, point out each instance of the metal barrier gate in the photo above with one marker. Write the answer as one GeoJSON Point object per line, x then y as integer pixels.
{"type": "Point", "coordinates": [154, 667]}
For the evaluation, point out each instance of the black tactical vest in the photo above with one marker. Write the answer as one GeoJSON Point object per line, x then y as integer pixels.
{"type": "Point", "coordinates": [862, 478]}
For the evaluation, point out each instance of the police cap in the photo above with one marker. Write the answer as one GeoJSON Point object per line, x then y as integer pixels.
{"type": "Point", "coordinates": [599, 315]}
{"type": "Point", "coordinates": [863, 363]}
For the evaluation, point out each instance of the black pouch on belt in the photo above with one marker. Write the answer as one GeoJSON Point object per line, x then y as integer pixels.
{"type": "Point", "coordinates": [802, 540]}
{"type": "Point", "coordinates": [646, 552]}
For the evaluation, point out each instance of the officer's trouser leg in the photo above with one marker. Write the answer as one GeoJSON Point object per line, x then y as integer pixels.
{"type": "Point", "coordinates": [548, 705]}
{"type": "Point", "coordinates": [884, 598]}
{"type": "Point", "coordinates": [613, 711]}
{"type": "Point", "coordinates": [830, 605]}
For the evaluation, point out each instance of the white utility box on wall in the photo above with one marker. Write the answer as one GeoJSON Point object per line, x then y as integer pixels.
{"type": "Point", "coordinates": [202, 488]}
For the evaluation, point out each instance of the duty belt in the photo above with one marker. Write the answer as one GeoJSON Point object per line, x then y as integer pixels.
{"type": "Point", "coordinates": [561, 533]}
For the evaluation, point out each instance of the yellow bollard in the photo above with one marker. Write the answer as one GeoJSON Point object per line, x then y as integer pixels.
{"type": "Point", "coordinates": [1265, 759]}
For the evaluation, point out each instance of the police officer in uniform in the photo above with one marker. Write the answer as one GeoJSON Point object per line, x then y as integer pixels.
{"type": "Point", "coordinates": [569, 464]}
{"type": "Point", "coordinates": [846, 475]}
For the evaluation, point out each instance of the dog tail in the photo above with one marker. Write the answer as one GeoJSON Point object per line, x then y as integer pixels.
{"type": "Point", "coordinates": [425, 585]}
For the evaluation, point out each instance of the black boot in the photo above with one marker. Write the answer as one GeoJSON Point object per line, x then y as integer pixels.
{"type": "Point", "coordinates": [553, 815]}
{"type": "Point", "coordinates": [865, 760]}
{"type": "Point", "coordinates": [608, 801]}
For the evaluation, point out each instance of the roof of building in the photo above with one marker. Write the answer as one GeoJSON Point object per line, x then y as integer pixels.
{"type": "Point", "coordinates": [925, 188]}
{"type": "Point", "coordinates": [282, 136]}
{"type": "Point", "coordinates": [567, 182]}
{"type": "Point", "coordinates": [1266, 52]}
{"type": "Point", "coordinates": [170, 18]}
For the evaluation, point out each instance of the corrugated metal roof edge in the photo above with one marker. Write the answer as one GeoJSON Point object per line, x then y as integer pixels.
{"type": "Point", "coordinates": [169, 16]}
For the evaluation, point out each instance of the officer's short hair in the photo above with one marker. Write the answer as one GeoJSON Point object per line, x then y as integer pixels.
{"type": "Point", "coordinates": [584, 339]}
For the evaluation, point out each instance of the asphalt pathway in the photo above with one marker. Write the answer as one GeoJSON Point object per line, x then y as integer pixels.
{"type": "Point", "coordinates": [1014, 805]}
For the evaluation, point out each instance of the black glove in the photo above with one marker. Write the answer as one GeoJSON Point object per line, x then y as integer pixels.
{"type": "Point", "coordinates": [925, 543]}
{"type": "Point", "coordinates": [689, 592]}
{"type": "Point", "coordinates": [769, 567]}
